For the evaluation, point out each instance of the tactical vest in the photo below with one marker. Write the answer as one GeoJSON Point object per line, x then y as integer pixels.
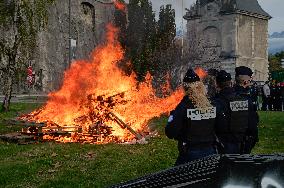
{"type": "Point", "coordinates": [237, 110]}
{"type": "Point", "coordinates": [201, 126]}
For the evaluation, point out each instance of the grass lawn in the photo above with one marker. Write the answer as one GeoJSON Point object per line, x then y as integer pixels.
{"type": "Point", "coordinates": [82, 165]}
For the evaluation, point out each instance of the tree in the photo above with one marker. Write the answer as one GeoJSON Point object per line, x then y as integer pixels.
{"type": "Point", "coordinates": [141, 32]}
{"type": "Point", "coordinates": [275, 61]}
{"type": "Point", "coordinates": [168, 52]}
{"type": "Point", "coordinates": [166, 27]}
{"type": "Point", "coordinates": [120, 21]}
{"type": "Point", "coordinates": [20, 21]}
{"type": "Point", "coordinates": [151, 44]}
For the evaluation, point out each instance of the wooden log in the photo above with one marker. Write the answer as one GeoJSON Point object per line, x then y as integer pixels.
{"type": "Point", "coordinates": [123, 125]}
{"type": "Point", "coordinates": [22, 123]}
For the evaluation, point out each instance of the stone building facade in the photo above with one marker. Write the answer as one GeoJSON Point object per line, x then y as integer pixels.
{"type": "Point", "coordinates": [88, 21]}
{"type": "Point", "coordinates": [224, 34]}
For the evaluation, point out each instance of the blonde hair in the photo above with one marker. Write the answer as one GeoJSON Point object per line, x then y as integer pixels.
{"type": "Point", "coordinates": [197, 93]}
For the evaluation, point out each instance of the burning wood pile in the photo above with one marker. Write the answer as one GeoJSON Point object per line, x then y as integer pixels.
{"type": "Point", "coordinates": [97, 132]}
{"type": "Point", "coordinates": [98, 102]}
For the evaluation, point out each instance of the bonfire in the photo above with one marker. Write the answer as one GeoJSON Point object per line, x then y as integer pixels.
{"type": "Point", "coordinates": [98, 102]}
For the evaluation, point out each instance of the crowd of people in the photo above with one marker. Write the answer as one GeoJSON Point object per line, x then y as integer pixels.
{"type": "Point", "coordinates": [271, 94]}
{"type": "Point", "coordinates": [225, 123]}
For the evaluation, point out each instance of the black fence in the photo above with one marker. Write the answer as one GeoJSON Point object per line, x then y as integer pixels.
{"type": "Point", "coordinates": [220, 171]}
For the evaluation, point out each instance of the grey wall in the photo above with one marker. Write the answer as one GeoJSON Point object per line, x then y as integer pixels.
{"type": "Point", "coordinates": [88, 21]}
{"type": "Point", "coordinates": [224, 41]}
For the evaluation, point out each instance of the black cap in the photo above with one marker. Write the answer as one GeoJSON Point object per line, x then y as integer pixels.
{"type": "Point", "coordinates": [242, 70]}
{"type": "Point", "coordinates": [191, 76]}
{"type": "Point", "coordinates": [213, 72]}
{"type": "Point", "coordinates": [223, 76]}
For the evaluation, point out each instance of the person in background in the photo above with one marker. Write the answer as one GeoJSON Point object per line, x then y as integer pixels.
{"type": "Point", "coordinates": [243, 77]}
{"type": "Point", "coordinates": [259, 97]}
{"type": "Point", "coordinates": [273, 93]}
{"type": "Point", "coordinates": [254, 95]}
{"type": "Point", "coordinates": [282, 95]}
{"type": "Point", "coordinates": [278, 100]}
{"type": "Point", "coordinates": [211, 83]}
{"type": "Point", "coordinates": [192, 122]}
{"type": "Point", "coordinates": [265, 96]}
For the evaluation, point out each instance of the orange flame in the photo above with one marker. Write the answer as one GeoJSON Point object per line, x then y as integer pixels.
{"type": "Point", "coordinates": [200, 72]}
{"type": "Point", "coordinates": [100, 76]}
{"type": "Point", "coordinates": [119, 5]}
{"type": "Point", "coordinates": [166, 88]}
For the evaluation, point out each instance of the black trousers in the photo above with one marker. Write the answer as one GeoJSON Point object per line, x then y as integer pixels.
{"type": "Point", "coordinates": [277, 105]}
{"type": "Point", "coordinates": [265, 103]}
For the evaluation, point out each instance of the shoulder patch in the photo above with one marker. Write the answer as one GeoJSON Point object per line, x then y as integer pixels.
{"type": "Point", "coordinates": [171, 118]}
{"type": "Point", "coordinates": [199, 114]}
{"type": "Point", "coordinates": [239, 106]}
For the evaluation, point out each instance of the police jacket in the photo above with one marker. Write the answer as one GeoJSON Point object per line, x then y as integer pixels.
{"type": "Point", "coordinates": [232, 119]}
{"type": "Point", "coordinates": [273, 92]}
{"type": "Point", "coordinates": [278, 93]}
{"type": "Point", "coordinates": [245, 92]}
{"type": "Point", "coordinates": [254, 93]}
{"type": "Point", "coordinates": [282, 91]}
{"type": "Point", "coordinates": [253, 116]}
{"type": "Point", "coordinates": [190, 125]}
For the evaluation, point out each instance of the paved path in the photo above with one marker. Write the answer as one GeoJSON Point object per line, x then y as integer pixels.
{"type": "Point", "coordinates": [27, 98]}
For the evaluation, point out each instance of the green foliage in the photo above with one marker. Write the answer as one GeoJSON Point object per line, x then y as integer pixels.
{"type": "Point", "coordinates": [140, 36]}
{"type": "Point", "coordinates": [26, 15]}
{"type": "Point", "coordinates": [275, 61]}
{"type": "Point", "coordinates": [145, 39]}
{"type": "Point", "coordinates": [167, 50]}
{"type": "Point", "coordinates": [166, 26]}
{"type": "Point", "coordinates": [6, 11]}
{"type": "Point", "coordinates": [120, 21]}
{"type": "Point", "coordinates": [84, 165]}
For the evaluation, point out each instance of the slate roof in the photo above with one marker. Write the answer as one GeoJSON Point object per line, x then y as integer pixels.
{"type": "Point", "coordinates": [244, 6]}
{"type": "Point", "coordinates": [241, 6]}
{"type": "Point", "coordinates": [204, 2]}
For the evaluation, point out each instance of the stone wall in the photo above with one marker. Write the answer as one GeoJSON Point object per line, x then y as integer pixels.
{"type": "Point", "coordinates": [252, 45]}
{"type": "Point", "coordinates": [226, 40]}
{"type": "Point", "coordinates": [88, 21]}
{"type": "Point", "coordinates": [228, 33]}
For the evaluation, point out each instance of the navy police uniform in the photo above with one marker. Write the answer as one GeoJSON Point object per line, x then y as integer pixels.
{"type": "Point", "coordinates": [273, 96]}
{"type": "Point", "coordinates": [192, 128]}
{"type": "Point", "coordinates": [251, 136]}
{"type": "Point", "coordinates": [254, 95]}
{"type": "Point", "coordinates": [232, 119]}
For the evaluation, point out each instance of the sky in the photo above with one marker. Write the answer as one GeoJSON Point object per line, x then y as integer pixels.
{"type": "Point", "coordinates": [272, 7]}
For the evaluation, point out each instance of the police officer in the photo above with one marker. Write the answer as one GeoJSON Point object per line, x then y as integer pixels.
{"type": "Point", "coordinates": [273, 94]}
{"type": "Point", "coordinates": [265, 97]}
{"type": "Point", "coordinates": [282, 95]}
{"type": "Point", "coordinates": [232, 120]}
{"type": "Point", "coordinates": [254, 95]}
{"type": "Point", "coordinates": [243, 81]}
{"type": "Point", "coordinates": [192, 122]}
{"type": "Point", "coordinates": [211, 83]}
{"type": "Point", "coordinates": [278, 100]}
